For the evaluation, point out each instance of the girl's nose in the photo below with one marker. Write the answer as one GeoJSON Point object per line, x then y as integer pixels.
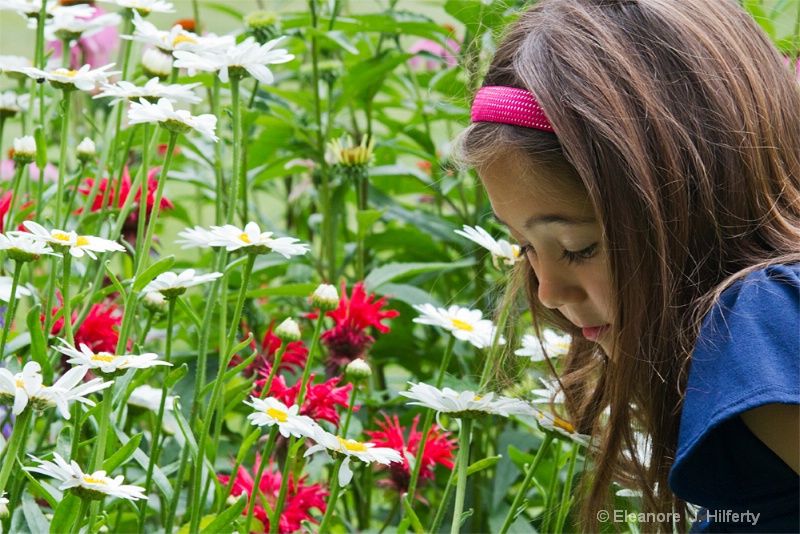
{"type": "Point", "coordinates": [556, 287]}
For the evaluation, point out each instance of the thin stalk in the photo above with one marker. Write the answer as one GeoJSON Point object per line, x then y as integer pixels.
{"type": "Point", "coordinates": [309, 361]}
{"type": "Point", "coordinates": [551, 489]}
{"type": "Point", "coordinates": [66, 264]}
{"type": "Point", "coordinates": [176, 492]}
{"type": "Point", "coordinates": [275, 364]}
{"type": "Point", "coordinates": [142, 219]}
{"type": "Point", "coordinates": [14, 444]}
{"type": "Point", "coordinates": [512, 512]}
{"type": "Point", "coordinates": [437, 519]}
{"type": "Point", "coordinates": [62, 159]}
{"type": "Point", "coordinates": [463, 463]}
{"type": "Point", "coordinates": [11, 310]}
{"type": "Point", "coordinates": [14, 195]}
{"type": "Point", "coordinates": [237, 150]}
{"type": "Point", "coordinates": [197, 494]}
{"type": "Point", "coordinates": [498, 334]}
{"type": "Point", "coordinates": [273, 434]}
{"type": "Point", "coordinates": [155, 449]}
{"type": "Point", "coordinates": [100, 444]}
{"type": "Point", "coordinates": [332, 497]}
{"type": "Point", "coordinates": [563, 508]}
{"type": "Point", "coordinates": [218, 172]}
{"type": "Point", "coordinates": [76, 527]}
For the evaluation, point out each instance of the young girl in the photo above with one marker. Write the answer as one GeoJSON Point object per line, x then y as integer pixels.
{"type": "Point", "coordinates": [645, 154]}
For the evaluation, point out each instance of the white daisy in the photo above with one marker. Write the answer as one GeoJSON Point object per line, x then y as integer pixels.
{"type": "Point", "coordinates": [464, 323]}
{"type": "Point", "coordinates": [553, 423]}
{"type": "Point", "coordinates": [465, 403]}
{"type": "Point", "coordinates": [145, 7]}
{"type": "Point", "coordinates": [152, 90]}
{"type": "Point", "coordinates": [66, 24]}
{"type": "Point", "coordinates": [27, 387]}
{"type": "Point", "coordinates": [171, 284]}
{"type": "Point", "coordinates": [174, 120]}
{"type": "Point", "coordinates": [366, 452]}
{"type": "Point", "coordinates": [500, 248]}
{"type": "Point", "coordinates": [5, 289]}
{"type": "Point", "coordinates": [14, 64]}
{"type": "Point", "coordinates": [78, 245]}
{"type": "Point", "coordinates": [270, 412]}
{"type": "Point", "coordinates": [21, 247]}
{"type": "Point", "coordinates": [196, 237]}
{"type": "Point", "coordinates": [252, 238]}
{"type": "Point", "coordinates": [9, 104]}
{"type": "Point", "coordinates": [149, 398]}
{"type": "Point", "coordinates": [156, 63]}
{"type": "Point", "coordinates": [31, 8]}
{"type": "Point", "coordinates": [247, 55]}
{"type": "Point", "coordinates": [176, 38]}
{"type": "Point", "coordinates": [106, 362]}
{"type": "Point", "coordinates": [551, 343]}
{"type": "Point", "coordinates": [85, 78]}
{"type": "Point", "coordinates": [551, 391]}
{"type": "Point", "coordinates": [93, 486]}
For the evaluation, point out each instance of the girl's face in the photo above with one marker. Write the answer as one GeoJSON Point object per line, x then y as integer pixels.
{"type": "Point", "coordinates": [551, 217]}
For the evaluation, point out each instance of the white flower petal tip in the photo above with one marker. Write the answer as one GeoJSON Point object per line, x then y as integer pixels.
{"type": "Point", "coordinates": [464, 323]}
{"type": "Point", "coordinates": [500, 248]}
{"type": "Point", "coordinates": [465, 403]}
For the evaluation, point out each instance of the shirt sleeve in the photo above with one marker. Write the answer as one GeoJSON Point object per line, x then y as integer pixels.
{"type": "Point", "coordinates": [747, 355]}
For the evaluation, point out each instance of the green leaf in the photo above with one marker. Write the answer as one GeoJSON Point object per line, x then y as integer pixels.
{"type": "Point", "coordinates": [411, 295]}
{"type": "Point", "coordinates": [159, 267]}
{"type": "Point", "coordinates": [225, 8]}
{"type": "Point", "coordinates": [229, 374]}
{"type": "Point", "coordinates": [38, 345]}
{"type": "Point", "coordinates": [51, 500]}
{"type": "Point", "coordinates": [143, 460]}
{"type": "Point", "coordinates": [480, 465]}
{"type": "Point", "coordinates": [335, 36]}
{"type": "Point", "coordinates": [366, 218]}
{"type": "Point", "coordinates": [41, 149]}
{"type": "Point", "coordinates": [223, 523]}
{"type": "Point", "coordinates": [65, 513]}
{"type": "Point", "coordinates": [287, 290]}
{"type": "Point", "coordinates": [119, 457]}
{"type": "Point", "coordinates": [393, 271]}
{"type": "Point", "coordinates": [364, 79]}
{"type": "Point", "coordinates": [411, 516]}
{"type": "Point", "coordinates": [176, 375]}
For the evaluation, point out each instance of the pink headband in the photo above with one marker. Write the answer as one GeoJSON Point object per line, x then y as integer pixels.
{"type": "Point", "coordinates": [509, 105]}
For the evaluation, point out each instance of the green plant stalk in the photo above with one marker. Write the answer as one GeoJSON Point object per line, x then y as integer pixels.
{"type": "Point", "coordinates": [518, 498]}
{"type": "Point", "coordinates": [197, 494]}
{"type": "Point", "coordinates": [14, 195]}
{"type": "Point", "coordinates": [426, 425]}
{"type": "Point", "coordinates": [551, 489]}
{"type": "Point", "coordinates": [218, 172]}
{"type": "Point", "coordinates": [275, 364]}
{"type": "Point", "coordinates": [51, 296]}
{"type": "Point", "coordinates": [100, 444]}
{"type": "Point", "coordinates": [76, 527]}
{"type": "Point", "coordinates": [498, 334]}
{"type": "Point", "coordinates": [564, 506]}
{"type": "Point", "coordinates": [196, 12]}
{"type": "Point", "coordinates": [12, 308]}
{"type": "Point", "coordinates": [237, 149]}
{"type": "Point", "coordinates": [273, 434]}
{"type": "Point", "coordinates": [437, 519]}
{"type": "Point", "coordinates": [155, 448]}
{"type": "Point", "coordinates": [332, 497]}
{"type": "Point", "coordinates": [463, 463]}
{"type": "Point", "coordinates": [66, 264]}
{"type": "Point", "coordinates": [301, 396]}
{"type": "Point", "coordinates": [350, 408]}
{"type": "Point", "coordinates": [140, 226]}
{"type": "Point", "coordinates": [15, 442]}
{"type": "Point", "coordinates": [361, 196]}
{"type": "Point", "coordinates": [62, 159]}
{"type": "Point", "coordinates": [176, 492]}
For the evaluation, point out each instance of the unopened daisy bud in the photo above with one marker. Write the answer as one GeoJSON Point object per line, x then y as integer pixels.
{"type": "Point", "coordinates": [24, 150]}
{"type": "Point", "coordinates": [358, 369]}
{"type": "Point", "coordinates": [86, 150]}
{"type": "Point", "coordinates": [3, 505]}
{"type": "Point", "coordinates": [325, 297]}
{"type": "Point", "coordinates": [263, 25]}
{"type": "Point", "coordinates": [155, 302]}
{"type": "Point", "coordinates": [156, 63]}
{"type": "Point", "coordinates": [349, 155]}
{"type": "Point", "coordinates": [288, 330]}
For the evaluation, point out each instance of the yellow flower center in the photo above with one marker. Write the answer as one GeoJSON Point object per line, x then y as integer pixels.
{"type": "Point", "coordinates": [277, 414]}
{"type": "Point", "coordinates": [20, 383]}
{"type": "Point", "coordinates": [91, 480]}
{"type": "Point", "coordinates": [477, 398]}
{"type": "Point", "coordinates": [245, 238]}
{"type": "Point", "coordinates": [61, 236]}
{"type": "Point", "coordinates": [103, 357]}
{"type": "Point", "coordinates": [462, 325]}
{"type": "Point", "coordinates": [181, 38]}
{"type": "Point", "coordinates": [560, 423]}
{"type": "Point", "coordinates": [515, 251]}
{"type": "Point", "coordinates": [65, 72]}
{"type": "Point", "coordinates": [82, 241]}
{"type": "Point", "coordinates": [351, 445]}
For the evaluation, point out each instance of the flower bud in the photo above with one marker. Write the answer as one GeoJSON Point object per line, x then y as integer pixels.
{"type": "Point", "coordinates": [358, 369]}
{"type": "Point", "coordinates": [24, 150]}
{"type": "Point", "coordinates": [155, 302]}
{"type": "Point", "coordinates": [349, 155]}
{"type": "Point", "coordinates": [325, 297]}
{"type": "Point", "coordinates": [288, 330]}
{"type": "Point", "coordinates": [86, 150]}
{"type": "Point", "coordinates": [156, 63]}
{"type": "Point", "coordinates": [263, 25]}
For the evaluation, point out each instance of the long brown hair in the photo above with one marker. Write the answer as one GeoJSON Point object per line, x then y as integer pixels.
{"type": "Point", "coordinates": [682, 122]}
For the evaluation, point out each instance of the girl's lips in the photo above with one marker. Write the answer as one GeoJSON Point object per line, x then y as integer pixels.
{"type": "Point", "coordinates": [594, 333]}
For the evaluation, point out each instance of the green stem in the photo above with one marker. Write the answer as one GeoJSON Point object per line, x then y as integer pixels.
{"type": "Point", "coordinates": [273, 434]}
{"type": "Point", "coordinates": [100, 444]}
{"type": "Point", "coordinates": [350, 408]}
{"type": "Point", "coordinates": [437, 519]}
{"type": "Point", "coordinates": [275, 364]}
{"type": "Point", "coordinates": [512, 512]}
{"type": "Point", "coordinates": [11, 311]}
{"type": "Point", "coordinates": [67, 315]}
{"type": "Point", "coordinates": [155, 449]}
{"type": "Point", "coordinates": [564, 506]}
{"type": "Point", "coordinates": [62, 159]}
{"type": "Point", "coordinates": [498, 334]}
{"type": "Point", "coordinates": [551, 489]}
{"type": "Point", "coordinates": [237, 150]}
{"type": "Point", "coordinates": [197, 494]}
{"type": "Point", "coordinates": [76, 527]}
{"type": "Point", "coordinates": [14, 196]}
{"type": "Point", "coordinates": [463, 463]}
{"type": "Point", "coordinates": [333, 496]}
{"type": "Point", "coordinates": [176, 492]}
{"type": "Point", "coordinates": [274, 521]}
{"type": "Point", "coordinates": [219, 215]}
{"type": "Point", "coordinates": [142, 219]}
{"type": "Point", "coordinates": [14, 444]}
{"type": "Point", "coordinates": [310, 361]}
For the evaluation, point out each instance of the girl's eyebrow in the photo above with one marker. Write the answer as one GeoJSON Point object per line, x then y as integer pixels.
{"type": "Point", "coordinates": [553, 218]}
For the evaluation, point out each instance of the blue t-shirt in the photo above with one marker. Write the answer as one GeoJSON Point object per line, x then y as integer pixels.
{"type": "Point", "coordinates": [747, 355]}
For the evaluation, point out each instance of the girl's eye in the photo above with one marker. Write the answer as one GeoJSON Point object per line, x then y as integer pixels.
{"type": "Point", "coordinates": [524, 250]}
{"type": "Point", "coordinates": [580, 255]}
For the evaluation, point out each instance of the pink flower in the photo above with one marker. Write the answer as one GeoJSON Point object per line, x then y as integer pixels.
{"type": "Point", "coordinates": [8, 167]}
{"type": "Point", "coordinates": [447, 53]}
{"type": "Point", "coordinates": [94, 49]}
{"type": "Point", "coordinates": [439, 448]}
{"type": "Point", "coordinates": [300, 497]}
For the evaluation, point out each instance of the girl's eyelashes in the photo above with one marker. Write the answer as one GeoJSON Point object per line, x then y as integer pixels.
{"type": "Point", "coordinates": [580, 256]}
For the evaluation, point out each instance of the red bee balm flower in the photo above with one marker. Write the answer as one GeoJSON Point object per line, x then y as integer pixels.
{"type": "Point", "coordinates": [99, 331]}
{"type": "Point", "coordinates": [348, 340]}
{"type": "Point", "coordinates": [320, 401]}
{"type": "Point", "coordinates": [438, 450]}
{"type": "Point", "coordinates": [300, 497]}
{"type": "Point", "coordinates": [293, 359]}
